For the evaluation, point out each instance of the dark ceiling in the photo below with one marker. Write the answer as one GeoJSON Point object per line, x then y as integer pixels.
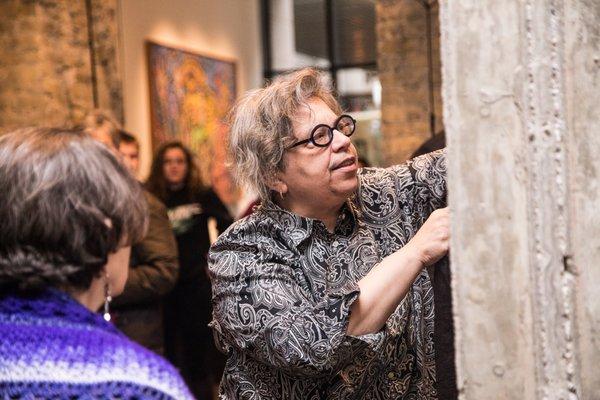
{"type": "Point", "coordinates": [353, 30]}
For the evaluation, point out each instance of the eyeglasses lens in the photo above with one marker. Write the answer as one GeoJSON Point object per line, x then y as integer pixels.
{"type": "Point", "coordinates": [346, 126]}
{"type": "Point", "coordinates": [321, 136]}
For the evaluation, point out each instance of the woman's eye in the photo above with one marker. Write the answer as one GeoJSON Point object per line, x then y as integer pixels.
{"type": "Point", "coordinates": [321, 136]}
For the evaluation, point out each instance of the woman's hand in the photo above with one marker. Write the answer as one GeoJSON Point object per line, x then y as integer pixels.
{"type": "Point", "coordinates": [384, 287]}
{"type": "Point", "coordinates": [431, 242]}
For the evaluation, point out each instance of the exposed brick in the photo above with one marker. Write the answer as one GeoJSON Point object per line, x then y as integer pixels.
{"type": "Point", "coordinates": [45, 67]}
{"type": "Point", "coordinates": [403, 71]}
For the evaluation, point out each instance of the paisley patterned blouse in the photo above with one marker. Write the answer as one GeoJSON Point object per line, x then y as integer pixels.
{"type": "Point", "coordinates": [283, 286]}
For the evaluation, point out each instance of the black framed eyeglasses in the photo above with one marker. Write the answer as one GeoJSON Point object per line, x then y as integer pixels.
{"type": "Point", "coordinates": [322, 134]}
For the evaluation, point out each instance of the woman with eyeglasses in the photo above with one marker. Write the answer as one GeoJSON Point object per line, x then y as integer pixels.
{"type": "Point", "coordinates": [322, 293]}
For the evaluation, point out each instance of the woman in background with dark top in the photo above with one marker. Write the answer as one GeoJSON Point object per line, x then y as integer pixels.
{"type": "Point", "coordinates": [193, 209]}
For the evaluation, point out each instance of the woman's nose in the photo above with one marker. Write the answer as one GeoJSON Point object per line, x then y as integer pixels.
{"type": "Point", "coordinates": [340, 141]}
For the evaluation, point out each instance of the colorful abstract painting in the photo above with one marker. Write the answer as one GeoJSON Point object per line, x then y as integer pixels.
{"type": "Point", "coordinates": [190, 97]}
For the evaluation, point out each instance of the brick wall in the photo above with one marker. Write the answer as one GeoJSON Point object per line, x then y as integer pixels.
{"type": "Point", "coordinates": [403, 71]}
{"type": "Point", "coordinates": [46, 70]}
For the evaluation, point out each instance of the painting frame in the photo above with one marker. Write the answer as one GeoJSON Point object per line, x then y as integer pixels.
{"type": "Point", "coordinates": [190, 96]}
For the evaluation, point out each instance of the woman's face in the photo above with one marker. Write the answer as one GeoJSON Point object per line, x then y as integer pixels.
{"type": "Point", "coordinates": [317, 177]}
{"type": "Point", "coordinates": [175, 166]}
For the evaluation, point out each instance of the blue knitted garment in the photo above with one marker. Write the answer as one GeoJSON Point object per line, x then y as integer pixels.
{"type": "Point", "coordinates": [52, 347]}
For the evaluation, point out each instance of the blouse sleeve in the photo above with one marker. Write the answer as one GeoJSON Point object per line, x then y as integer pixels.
{"type": "Point", "coordinates": [260, 309]}
{"type": "Point", "coordinates": [430, 170]}
{"type": "Point", "coordinates": [429, 177]}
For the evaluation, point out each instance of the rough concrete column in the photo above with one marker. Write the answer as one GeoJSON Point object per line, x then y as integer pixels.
{"type": "Point", "coordinates": [521, 97]}
{"type": "Point", "coordinates": [582, 91]}
{"type": "Point", "coordinates": [402, 57]}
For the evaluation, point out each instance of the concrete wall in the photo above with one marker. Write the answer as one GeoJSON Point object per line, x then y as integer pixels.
{"type": "Point", "coordinates": [227, 29]}
{"type": "Point", "coordinates": [582, 93]}
{"type": "Point", "coordinates": [520, 86]}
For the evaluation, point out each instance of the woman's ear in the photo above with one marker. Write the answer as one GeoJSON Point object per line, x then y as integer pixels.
{"type": "Point", "coordinates": [277, 185]}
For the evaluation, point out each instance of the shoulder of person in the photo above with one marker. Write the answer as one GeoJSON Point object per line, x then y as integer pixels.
{"type": "Point", "coordinates": [374, 180]}
{"type": "Point", "coordinates": [246, 227]}
{"type": "Point", "coordinates": [258, 229]}
{"type": "Point", "coordinates": [146, 369]}
{"type": "Point", "coordinates": [154, 202]}
{"type": "Point", "coordinates": [434, 159]}
{"type": "Point", "coordinates": [399, 174]}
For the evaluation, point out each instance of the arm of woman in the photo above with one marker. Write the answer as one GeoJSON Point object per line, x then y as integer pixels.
{"type": "Point", "coordinates": [429, 171]}
{"type": "Point", "coordinates": [260, 309]}
{"type": "Point", "coordinates": [384, 287]}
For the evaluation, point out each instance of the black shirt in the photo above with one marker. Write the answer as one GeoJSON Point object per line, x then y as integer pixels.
{"type": "Point", "coordinates": [190, 214]}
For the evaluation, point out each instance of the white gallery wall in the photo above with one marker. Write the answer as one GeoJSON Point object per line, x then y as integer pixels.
{"type": "Point", "coordinates": [227, 29]}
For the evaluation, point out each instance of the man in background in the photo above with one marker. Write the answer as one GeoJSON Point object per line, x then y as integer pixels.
{"type": "Point", "coordinates": [153, 267]}
{"type": "Point", "coordinates": [130, 151]}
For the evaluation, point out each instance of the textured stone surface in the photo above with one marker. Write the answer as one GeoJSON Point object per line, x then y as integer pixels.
{"type": "Point", "coordinates": [521, 104]}
{"type": "Point", "coordinates": [582, 89]}
{"type": "Point", "coordinates": [107, 60]}
{"type": "Point", "coordinates": [45, 61]}
{"type": "Point", "coordinates": [403, 70]}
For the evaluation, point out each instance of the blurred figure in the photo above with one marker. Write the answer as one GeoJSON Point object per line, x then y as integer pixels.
{"type": "Point", "coordinates": [363, 162]}
{"type": "Point", "coordinates": [153, 266]}
{"type": "Point", "coordinates": [441, 279]}
{"type": "Point", "coordinates": [196, 214]}
{"type": "Point", "coordinates": [103, 127]}
{"type": "Point", "coordinates": [432, 144]}
{"type": "Point", "coordinates": [69, 212]}
{"type": "Point", "coordinates": [129, 148]}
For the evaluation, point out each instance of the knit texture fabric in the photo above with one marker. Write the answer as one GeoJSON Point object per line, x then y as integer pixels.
{"type": "Point", "coordinates": [52, 347]}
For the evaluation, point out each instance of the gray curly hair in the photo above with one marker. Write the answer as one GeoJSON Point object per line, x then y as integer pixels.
{"type": "Point", "coordinates": [59, 188]}
{"type": "Point", "coordinates": [261, 126]}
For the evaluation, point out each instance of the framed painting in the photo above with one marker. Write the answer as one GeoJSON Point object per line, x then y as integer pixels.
{"type": "Point", "coordinates": [190, 97]}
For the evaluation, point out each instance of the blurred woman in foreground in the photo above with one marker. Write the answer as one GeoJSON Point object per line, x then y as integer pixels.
{"type": "Point", "coordinates": [69, 213]}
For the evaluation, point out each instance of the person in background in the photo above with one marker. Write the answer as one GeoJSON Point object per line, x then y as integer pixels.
{"type": "Point", "coordinates": [154, 262]}
{"type": "Point", "coordinates": [441, 279]}
{"type": "Point", "coordinates": [102, 126]}
{"type": "Point", "coordinates": [196, 215]}
{"type": "Point", "coordinates": [129, 148]}
{"type": "Point", "coordinates": [153, 268]}
{"type": "Point", "coordinates": [363, 162]}
{"type": "Point", "coordinates": [70, 211]}
{"type": "Point", "coordinates": [434, 143]}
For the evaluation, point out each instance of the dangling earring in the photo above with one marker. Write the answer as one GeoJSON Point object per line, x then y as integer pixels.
{"type": "Point", "coordinates": [107, 299]}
